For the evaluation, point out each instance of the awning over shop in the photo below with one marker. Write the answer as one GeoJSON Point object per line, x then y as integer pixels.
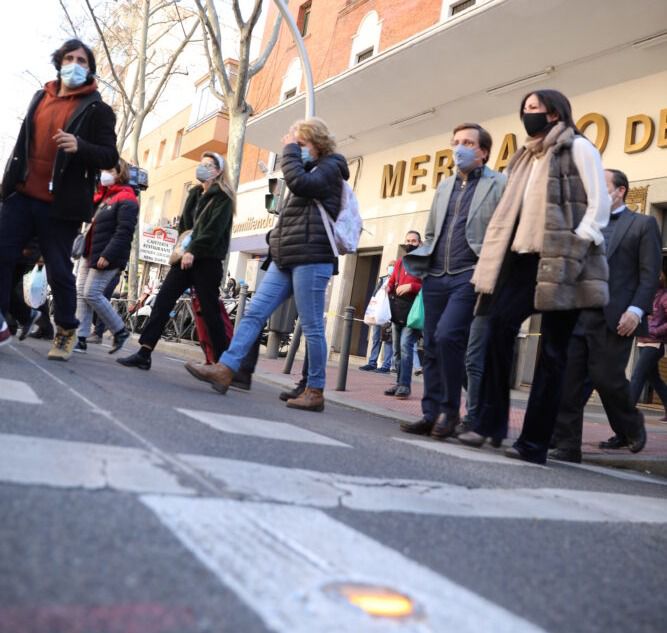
{"type": "Point", "coordinates": [255, 244]}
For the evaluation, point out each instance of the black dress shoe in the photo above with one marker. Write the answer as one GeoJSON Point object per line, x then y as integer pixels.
{"type": "Point", "coordinates": [421, 427]}
{"type": "Point", "coordinates": [445, 426]}
{"type": "Point", "coordinates": [514, 453]}
{"type": "Point", "coordinates": [391, 391]}
{"type": "Point", "coordinates": [614, 442]}
{"type": "Point", "coordinates": [136, 360]}
{"type": "Point", "coordinates": [637, 443]}
{"type": "Point", "coordinates": [293, 393]}
{"type": "Point", "coordinates": [571, 455]}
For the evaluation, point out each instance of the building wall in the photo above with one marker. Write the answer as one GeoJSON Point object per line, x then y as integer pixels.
{"type": "Point", "coordinates": [332, 27]}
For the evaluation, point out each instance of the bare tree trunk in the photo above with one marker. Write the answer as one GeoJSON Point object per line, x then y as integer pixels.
{"type": "Point", "coordinates": [237, 128]}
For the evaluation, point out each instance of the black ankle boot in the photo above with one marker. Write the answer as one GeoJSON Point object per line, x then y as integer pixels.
{"type": "Point", "coordinates": [140, 359]}
{"type": "Point", "coordinates": [294, 393]}
{"type": "Point", "coordinates": [119, 339]}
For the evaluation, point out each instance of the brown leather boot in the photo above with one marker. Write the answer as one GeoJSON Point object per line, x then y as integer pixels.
{"type": "Point", "coordinates": [219, 376]}
{"type": "Point", "coordinates": [310, 400]}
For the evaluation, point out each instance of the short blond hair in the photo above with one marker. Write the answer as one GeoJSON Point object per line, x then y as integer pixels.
{"type": "Point", "coordinates": [315, 131]}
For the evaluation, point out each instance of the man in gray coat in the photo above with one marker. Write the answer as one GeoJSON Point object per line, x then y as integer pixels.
{"type": "Point", "coordinates": [461, 210]}
{"type": "Point", "coordinates": [602, 340]}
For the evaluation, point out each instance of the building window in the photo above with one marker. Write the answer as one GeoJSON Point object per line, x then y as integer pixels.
{"type": "Point", "coordinates": [366, 41]}
{"type": "Point", "coordinates": [461, 6]}
{"type": "Point", "coordinates": [186, 189]}
{"type": "Point", "coordinates": [160, 152]}
{"type": "Point", "coordinates": [304, 18]}
{"type": "Point", "coordinates": [291, 80]}
{"type": "Point", "coordinates": [204, 105]}
{"type": "Point", "coordinates": [364, 55]}
{"type": "Point", "coordinates": [177, 144]}
{"type": "Point", "coordinates": [166, 199]}
{"type": "Point", "coordinates": [147, 154]}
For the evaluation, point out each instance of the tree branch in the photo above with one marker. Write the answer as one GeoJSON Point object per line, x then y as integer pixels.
{"type": "Point", "coordinates": [262, 59]}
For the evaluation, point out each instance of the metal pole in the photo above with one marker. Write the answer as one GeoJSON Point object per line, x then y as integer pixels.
{"type": "Point", "coordinates": [348, 322]}
{"type": "Point", "coordinates": [293, 347]}
{"type": "Point", "coordinates": [240, 309]}
{"type": "Point", "coordinates": [305, 62]}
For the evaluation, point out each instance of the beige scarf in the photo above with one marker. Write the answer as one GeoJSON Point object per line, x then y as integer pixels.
{"type": "Point", "coordinates": [525, 200]}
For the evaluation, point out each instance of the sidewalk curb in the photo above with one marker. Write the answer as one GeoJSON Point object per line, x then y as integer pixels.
{"type": "Point", "coordinates": [192, 351]}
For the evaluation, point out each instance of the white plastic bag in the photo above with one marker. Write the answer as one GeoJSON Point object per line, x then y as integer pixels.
{"type": "Point", "coordinates": [378, 311]}
{"type": "Point", "coordinates": [35, 286]}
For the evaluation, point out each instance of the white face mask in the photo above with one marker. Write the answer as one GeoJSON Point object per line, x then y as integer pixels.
{"type": "Point", "coordinates": [107, 179]}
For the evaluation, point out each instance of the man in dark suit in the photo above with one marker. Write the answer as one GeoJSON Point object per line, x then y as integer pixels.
{"type": "Point", "coordinates": [601, 343]}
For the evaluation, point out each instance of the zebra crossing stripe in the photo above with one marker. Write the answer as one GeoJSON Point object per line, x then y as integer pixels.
{"type": "Point", "coordinates": [264, 429]}
{"type": "Point", "coordinates": [17, 391]}
{"type": "Point", "coordinates": [283, 560]}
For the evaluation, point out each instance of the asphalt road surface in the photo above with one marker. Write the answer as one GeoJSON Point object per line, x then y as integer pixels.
{"type": "Point", "coordinates": [145, 502]}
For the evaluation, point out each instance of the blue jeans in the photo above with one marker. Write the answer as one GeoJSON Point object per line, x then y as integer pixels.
{"type": "Point", "coordinates": [308, 283]}
{"type": "Point", "coordinates": [404, 339]}
{"type": "Point", "coordinates": [376, 344]}
{"type": "Point", "coordinates": [646, 369]}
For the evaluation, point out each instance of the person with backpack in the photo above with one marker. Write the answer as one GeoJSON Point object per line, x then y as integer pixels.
{"type": "Point", "coordinates": [303, 259]}
{"type": "Point", "coordinates": [105, 253]}
{"type": "Point", "coordinates": [205, 231]}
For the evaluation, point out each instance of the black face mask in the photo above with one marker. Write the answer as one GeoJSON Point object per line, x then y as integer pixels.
{"type": "Point", "coordinates": [409, 247]}
{"type": "Point", "coordinates": [535, 122]}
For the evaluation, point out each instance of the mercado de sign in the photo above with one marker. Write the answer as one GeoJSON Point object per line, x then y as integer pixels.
{"type": "Point", "coordinates": [640, 132]}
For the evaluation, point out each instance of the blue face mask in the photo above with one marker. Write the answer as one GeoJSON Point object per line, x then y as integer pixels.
{"type": "Point", "coordinates": [73, 75]}
{"type": "Point", "coordinates": [390, 270]}
{"type": "Point", "coordinates": [465, 158]}
{"type": "Point", "coordinates": [306, 156]}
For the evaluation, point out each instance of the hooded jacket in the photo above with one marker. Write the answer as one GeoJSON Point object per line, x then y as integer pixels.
{"type": "Point", "coordinates": [72, 175]}
{"type": "Point", "coordinates": [110, 234]}
{"type": "Point", "coordinates": [300, 236]}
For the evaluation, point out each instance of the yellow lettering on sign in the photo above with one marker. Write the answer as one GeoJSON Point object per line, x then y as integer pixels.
{"type": "Point", "coordinates": [417, 172]}
{"type": "Point", "coordinates": [632, 146]}
{"type": "Point", "coordinates": [507, 150]}
{"type": "Point", "coordinates": [601, 126]}
{"type": "Point", "coordinates": [444, 163]}
{"type": "Point", "coordinates": [662, 128]}
{"type": "Point", "coordinates": [392, 180]}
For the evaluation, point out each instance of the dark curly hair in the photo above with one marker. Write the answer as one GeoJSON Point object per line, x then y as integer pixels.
{"type": "Point", "coordinates": [68, 47]}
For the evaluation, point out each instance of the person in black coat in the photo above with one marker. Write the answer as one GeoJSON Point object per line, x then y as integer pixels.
{"type": "Point", "coordinates": [602, 341]}
{"type": "Point", "coordinates": [48, 186]}
{"type": "Point", "coordinates": [208, 213]}
{"type": "Point", "coordinates": [107, 248]}
{"type": "Point", "coordinates": [302, 259]}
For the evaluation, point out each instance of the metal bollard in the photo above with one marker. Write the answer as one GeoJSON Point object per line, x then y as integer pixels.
{"type": "Point", "coordinates": [293, 348]}
{"type": "Point", "coordinates": [240, 309]}
{"type": "Point", "coordinates": [348, 322]}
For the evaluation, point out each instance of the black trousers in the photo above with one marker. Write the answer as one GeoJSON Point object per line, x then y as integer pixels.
{"type": "Point", "coordinates": [513, 303]}
{"type": "Point", "coordinates": [601, 356]}
{"type": "Point", "coordinates": [21, 219]}
{"type": "Point", "coordinates": [205, 276]}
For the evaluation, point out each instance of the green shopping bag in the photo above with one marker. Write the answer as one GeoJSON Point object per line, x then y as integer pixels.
{"type": "Point", "coordinates": [416, 315]}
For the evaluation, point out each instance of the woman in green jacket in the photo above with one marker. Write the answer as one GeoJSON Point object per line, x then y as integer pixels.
{"type": "Point", "coordinates": [208, 212]}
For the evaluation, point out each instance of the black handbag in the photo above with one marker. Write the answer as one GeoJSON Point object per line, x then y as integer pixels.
{"type": "Point", "coordinates": [78, 245]}
{"type": "Point", "coordinates": [400, 308]}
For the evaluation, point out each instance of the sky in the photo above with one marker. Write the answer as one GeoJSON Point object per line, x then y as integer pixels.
{"type": "Point", "coordinates": [29, 33]}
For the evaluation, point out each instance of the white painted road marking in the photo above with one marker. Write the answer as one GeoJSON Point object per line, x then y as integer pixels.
{"type": "Point", "coordinates": [17, 391]}
{"type": "Point", "coordinates": [473, 454]}
{"type": "Point", "coordinates": [41, 461]}
{"type": "Point", "coordinates": [261, 482]}
{"type": "Point", "coordinates": [260, 428]}
{"type": "Point", "coordinates": [280, 559]}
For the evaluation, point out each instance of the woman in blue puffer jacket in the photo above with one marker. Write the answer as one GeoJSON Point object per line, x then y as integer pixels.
{"type": "Point", "coordinates": [106, 251]}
